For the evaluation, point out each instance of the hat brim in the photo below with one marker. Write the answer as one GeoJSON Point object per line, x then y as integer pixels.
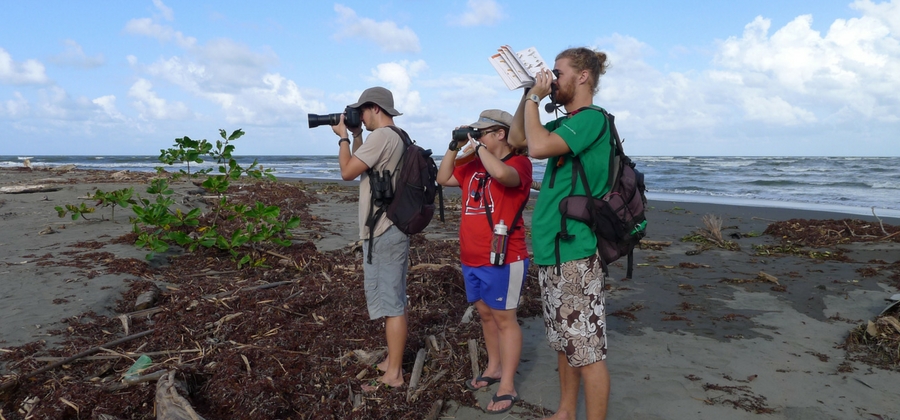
{"type": "Point", "coordinates": [483, 124]}
{"type": "Point", "coordinates": [393, 112]}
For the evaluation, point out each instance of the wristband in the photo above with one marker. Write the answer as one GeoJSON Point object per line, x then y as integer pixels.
{"type": "Point", "coordinates": [343, 140]}
{"type": "Point", "coordinates": [477, 146]}
{"type": "Point", "coordinates": [454, 146]}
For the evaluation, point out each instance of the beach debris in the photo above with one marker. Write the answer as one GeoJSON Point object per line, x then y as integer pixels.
{"type": "Point", "coordinates": [741, 397]}
{"type": "Point", "coordinates": [27, 189]}
{"type": "Point", "coordinates": [64, 168]}
{"type": "Point", "coordinates": [47, 231]}
{"type": "Point", "coordinates": [830, 232]}
{"type": "Point", "coordinates": [654, 245]}
{"type": "Point", "coordinates": [28, 405]}
{"type": "Point", "coordinates": [120, 175]}
{"type": "Point", "coordinates": [468, 315]}
{"type": "Point", "coordinates": [416, 375]}
{"type": "Point", "coordinates": [170, 405]}
{"type": "Point", "coordinates": [147, 299]}
{"type": "Point", "coordinates": [291, 372]}
{"type": "Point", "coordinates": [473, 357]}
{"type": "Point", "coordinates": [767, 277]}
{"type": "Point", "coordinates": [27, 164]}
{"type": "Point", "coordinates": [370, 358]}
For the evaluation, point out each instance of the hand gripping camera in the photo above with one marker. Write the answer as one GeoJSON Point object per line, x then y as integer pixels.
{"type": "Point", "coordinates": [352, 119]}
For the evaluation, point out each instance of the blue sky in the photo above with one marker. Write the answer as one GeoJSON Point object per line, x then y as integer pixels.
{"type": "Point", "coordinates": [698, 78]}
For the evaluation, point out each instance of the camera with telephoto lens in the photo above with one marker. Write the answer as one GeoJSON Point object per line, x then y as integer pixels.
{"type": "Point", "coordinates": [462, 134]}
{"type": "Point", "coordinates": [352, 119]}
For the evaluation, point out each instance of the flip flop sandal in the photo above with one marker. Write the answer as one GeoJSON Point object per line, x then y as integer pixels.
{"type": "Point", "coordinates": [490, 381]}
{"type": "Point", "coordinates": [498, 398]}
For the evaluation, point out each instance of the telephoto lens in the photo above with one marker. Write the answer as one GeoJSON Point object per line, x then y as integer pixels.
{"type": "Point", "coordinates": [330, 119]}
{"type": "Point", "coordinates": [462, 134]}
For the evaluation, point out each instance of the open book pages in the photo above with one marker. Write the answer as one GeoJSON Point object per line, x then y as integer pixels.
{"type": "Point", "coordinates": [517, 69]}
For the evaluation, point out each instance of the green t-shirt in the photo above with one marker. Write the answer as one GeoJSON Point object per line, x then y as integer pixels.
{"type": "Point", "coordinates": [587, 135]}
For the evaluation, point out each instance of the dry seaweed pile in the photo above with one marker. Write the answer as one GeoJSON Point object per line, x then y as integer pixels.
{"type": "Point", "coordinates": [284, 341]}
{"type": "Point", "coordinates": [831, 232]}
{"type": "Point", "coordinates": [877, 342]}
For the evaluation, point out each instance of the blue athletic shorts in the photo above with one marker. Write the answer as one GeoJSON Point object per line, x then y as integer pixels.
{"type": "Point", "coordinates": [500, 287]}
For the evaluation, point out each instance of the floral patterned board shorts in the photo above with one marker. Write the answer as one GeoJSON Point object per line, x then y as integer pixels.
{"type": "Point", "coordinates": [574, 309]}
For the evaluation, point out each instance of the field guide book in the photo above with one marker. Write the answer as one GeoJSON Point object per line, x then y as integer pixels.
{"type": "Point", "coordinates": [517, 69]}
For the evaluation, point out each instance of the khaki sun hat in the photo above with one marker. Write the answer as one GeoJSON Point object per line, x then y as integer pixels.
{"type": "Point", "coordinates": [492, 117]}
{"type": "Point", "coordinates": [379, 96]}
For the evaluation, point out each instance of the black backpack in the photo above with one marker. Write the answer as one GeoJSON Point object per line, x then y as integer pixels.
{"type": "Point", "coordinates": [411, 204]}
{"type": "Point", "coordinates": [617, 219]}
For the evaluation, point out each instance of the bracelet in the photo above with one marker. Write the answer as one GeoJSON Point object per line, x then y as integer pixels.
{"type": "Point", "coordinates": [477, 146]}
{"type": "Point", "coordinates": [343, 140]}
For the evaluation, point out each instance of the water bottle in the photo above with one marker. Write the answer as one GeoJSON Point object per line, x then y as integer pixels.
{"type": "Point", "coordinates": [498, 243]}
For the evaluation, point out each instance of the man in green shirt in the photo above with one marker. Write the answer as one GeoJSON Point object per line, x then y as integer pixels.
{"type": "Point", "coordinates": [570, 272]}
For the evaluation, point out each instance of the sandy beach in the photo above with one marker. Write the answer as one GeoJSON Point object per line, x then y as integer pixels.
{"type": "Point", "coordinates": [756, 329]}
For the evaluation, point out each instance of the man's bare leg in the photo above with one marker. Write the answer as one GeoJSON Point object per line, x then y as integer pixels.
{"type": "Point", "coordinates": [596, 384]}
{"type": "Point", "coordinates": [395, 329]}
{"type": "Point", "coordinates": [569, 382]}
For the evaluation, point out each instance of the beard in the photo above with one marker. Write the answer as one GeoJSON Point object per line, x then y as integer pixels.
{"type": "Point", "coordinates": [565, 93]}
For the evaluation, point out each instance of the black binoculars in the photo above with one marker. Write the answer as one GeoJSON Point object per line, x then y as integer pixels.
{"type": "Point", "coordinates": [382, 187]}
{"type": "Point", "coordinates": [462, 134]}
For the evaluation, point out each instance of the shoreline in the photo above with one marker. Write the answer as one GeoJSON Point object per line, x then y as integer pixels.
{"type": "Point", "coordinates": [691, 331]}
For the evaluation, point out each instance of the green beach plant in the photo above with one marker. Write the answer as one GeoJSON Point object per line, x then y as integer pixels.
{"type": "Point", "coordinates": [121, 198]}
{"type": "Point", "coordinates": [186, 151]}
{"type": "Point", "coordinates": [77, 211]}
{"type": "Point", "coordinates": [158, 224]}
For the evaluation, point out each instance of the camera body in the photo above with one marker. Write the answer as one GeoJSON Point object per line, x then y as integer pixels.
{"type": "Point", "coordinates": [462, 134]}
{"type": "Point", "coordinates": [352, 119]}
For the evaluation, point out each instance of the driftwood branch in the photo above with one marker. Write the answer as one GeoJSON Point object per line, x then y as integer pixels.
{"type": "Point", "coordinates": [247, 289]}
{"type": "Point", "coordinates": [435, 411]}
{"type": "Point", "coordinates": [127, 382]}
{"type": "Point", "coordinates": [24, 189]}
{"type": "Point", "coordinates": [879, 220]}
{"type": "Point", "coordinates": [416, 375]}
{"type": "Point", "coordinates": [88, 352]}
{"type": "Point", "coordinates": [473, 357]}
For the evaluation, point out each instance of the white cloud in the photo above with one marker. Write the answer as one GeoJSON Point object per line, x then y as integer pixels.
{"type": "Point", "coordinates": [480, 13]}
{"type": "Point", "coordinates": [29, 72]}
{"type": "Point", "coordinates": [74, 56]}
{"type": "Point", "coordinates": [386, 34]}
{"type": "Point", "coordinates": [398, 79]}
{"type": "Point", "coordinates": [108, 105]}
{"type": "Point", "coordinates": [854, 66]}
{"type": "Point", "coordinates": [146, 27]}
{"type": "Point", "coordinates": [771, 83]}
{"type": "Point", "coordinates": [17, 107]}
{"type": "Point", "coordinates": [236, 79]}
{"type": "Point", "coordinates": [166, 11]}
{"type": "Point", "coordinates": [152, 107]}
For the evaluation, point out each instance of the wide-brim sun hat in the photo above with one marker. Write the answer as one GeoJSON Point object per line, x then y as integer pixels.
{"type": "Point", "coordinates": [379, 96]}
{"type": "Point", "coordinates": [493, 117]}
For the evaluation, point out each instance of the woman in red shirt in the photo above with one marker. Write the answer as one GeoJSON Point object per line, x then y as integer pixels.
{"type": "Point", "coordinates": [495, 187]}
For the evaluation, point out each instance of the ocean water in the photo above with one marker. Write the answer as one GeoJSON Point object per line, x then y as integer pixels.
{"type": "Point", "coordinates": [852, 185]}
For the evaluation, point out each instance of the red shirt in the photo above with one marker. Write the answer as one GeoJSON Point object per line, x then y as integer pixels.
{"type": "Point", "coordinates": [479, 190]}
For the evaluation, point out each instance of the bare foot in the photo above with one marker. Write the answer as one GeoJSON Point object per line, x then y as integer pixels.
{"type": "Point", "coordinates": [382, 366]}
{"type": "Point", "coordinates": [560, 415]}
{"type": "Point", "coordinates": [396, 382]}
